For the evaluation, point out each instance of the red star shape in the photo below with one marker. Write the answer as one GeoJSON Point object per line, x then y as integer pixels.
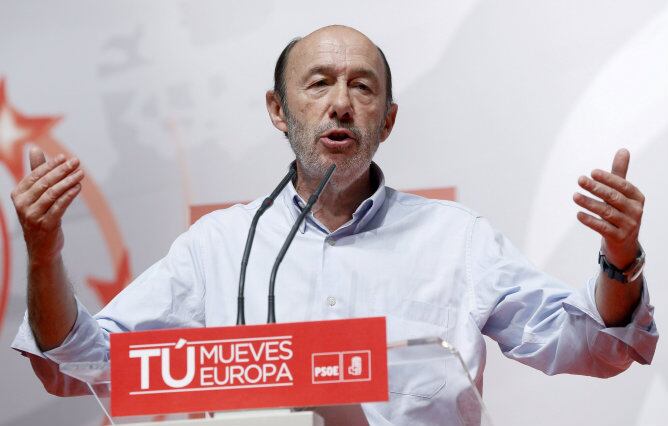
{"type": "Point", "coordinates": [16, 130]}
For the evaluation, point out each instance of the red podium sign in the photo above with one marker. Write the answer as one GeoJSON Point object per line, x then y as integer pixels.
{"type": "Point", "coordinates": [253, 366]}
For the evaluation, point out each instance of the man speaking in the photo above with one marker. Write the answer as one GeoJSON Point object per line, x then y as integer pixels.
{"type": "Point", "coordinates": [431, 267]}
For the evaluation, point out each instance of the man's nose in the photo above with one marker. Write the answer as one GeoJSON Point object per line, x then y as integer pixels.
{"type": "Point", "coordinates": [341, 106]}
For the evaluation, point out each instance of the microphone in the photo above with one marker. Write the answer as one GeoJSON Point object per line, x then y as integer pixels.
{"type": "Point", "coordinates": [266, 203]}
{"type": "Point", "coordinates": [271, 315]}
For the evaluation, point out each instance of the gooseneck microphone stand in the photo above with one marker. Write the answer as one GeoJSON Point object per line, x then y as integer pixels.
{"type": "Point", "coordinates": [266, 203]}
{"type": "Point", "coordinates": [271, 315]}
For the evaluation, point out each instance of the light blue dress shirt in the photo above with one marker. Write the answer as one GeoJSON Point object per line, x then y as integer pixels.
{"type": "Point", "coordinates": [433, 268]}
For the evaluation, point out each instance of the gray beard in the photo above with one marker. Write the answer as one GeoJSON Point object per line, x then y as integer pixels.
{"type": "Point", "coordinates": [303, 141]}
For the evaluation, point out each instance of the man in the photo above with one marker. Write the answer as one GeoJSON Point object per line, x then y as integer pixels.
{"type": "Point", "coordinates": [431, 267]}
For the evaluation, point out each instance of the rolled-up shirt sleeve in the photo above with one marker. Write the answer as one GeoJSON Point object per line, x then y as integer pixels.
{"type": "Point", "coordinates": [169, 294]}
{"type": "Point", "coordinates": [85, 342]}
{"type": "Point", "coordinates": [542, 322]}
{"type": "Point", "coordinates": [639, 335]}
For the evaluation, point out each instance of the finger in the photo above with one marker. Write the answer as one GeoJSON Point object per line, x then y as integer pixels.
{"type": "Point", "coordinates": [51, 195]}
{"type": "Point", "coordinates": [605, 193]}
{"type": "Point", "coordinates": [37, 158]}
{"type": "Point", "coordinates": [620, 184]}
{"type": "Point", "coordinates": [55, 214]}
{"type": "Point", "coordinates": [620, 164]}
{"type": "Point", "coordinates": [607, 231]}
{"type": "Point", "coordinates": [50, 179]}
{"type": "Point", "coordinates": [41, 170]}
{"type": "Point", "coordinates": [603, 210]}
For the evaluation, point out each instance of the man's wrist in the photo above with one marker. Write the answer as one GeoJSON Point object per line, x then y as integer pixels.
{"type": "Point", "coordinates": [40, 262]}
{"type": "Point", "coordinates": [629, 273]}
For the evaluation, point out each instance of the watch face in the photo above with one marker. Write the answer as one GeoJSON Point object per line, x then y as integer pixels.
{"type": "Point", "coordinates": [634, 271]}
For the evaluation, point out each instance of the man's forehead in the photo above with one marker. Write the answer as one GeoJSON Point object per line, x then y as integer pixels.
{"type": "Point", "coordinates": [335, 48]}
{"type": "Point", "coordinates": [339, 48]}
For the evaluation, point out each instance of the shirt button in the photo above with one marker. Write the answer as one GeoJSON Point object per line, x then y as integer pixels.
{"type": "Point", "coordinates": [331, 301]}
{"type": "Point", "coordinates": [331, 241]}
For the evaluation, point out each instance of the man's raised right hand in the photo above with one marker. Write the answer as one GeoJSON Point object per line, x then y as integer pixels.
{"type": "Point", "coordinates": [41, 199]}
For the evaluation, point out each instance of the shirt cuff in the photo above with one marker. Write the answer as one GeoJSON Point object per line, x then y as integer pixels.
{"type": "Point", "coordinates": [640, 334]}
{"type": "Point", "coordinates": [85, 342]}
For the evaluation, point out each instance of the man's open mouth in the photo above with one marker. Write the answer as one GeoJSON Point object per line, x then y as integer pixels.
{"type": "Point", "coordinates": [338, 138]}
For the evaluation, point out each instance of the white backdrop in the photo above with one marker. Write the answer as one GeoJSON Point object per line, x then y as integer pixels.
{"type": "Point", "coordinates": [510, 102]}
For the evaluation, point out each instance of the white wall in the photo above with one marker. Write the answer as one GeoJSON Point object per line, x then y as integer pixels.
{"type": "Point", "coordinates": [510, 102]}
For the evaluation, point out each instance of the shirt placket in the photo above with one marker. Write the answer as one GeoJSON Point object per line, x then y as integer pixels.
{"type": "Point", "coordinates": [333, 293]}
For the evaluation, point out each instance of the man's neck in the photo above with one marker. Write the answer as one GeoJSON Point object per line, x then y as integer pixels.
{"type": "Point", "coordinates": [339, 200]}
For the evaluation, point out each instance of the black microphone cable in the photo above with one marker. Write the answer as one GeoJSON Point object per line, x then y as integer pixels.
{"type": "Point", "coordinates": [266, 203]}
{"type": "Point", "coordinates": [271, 315]}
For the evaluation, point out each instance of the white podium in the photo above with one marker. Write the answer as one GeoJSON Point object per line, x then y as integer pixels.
{"type": "Point", "coordinates": [250, 418]}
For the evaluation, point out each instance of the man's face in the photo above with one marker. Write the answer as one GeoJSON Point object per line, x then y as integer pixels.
{"type": "Point", "coordinates": [335, 102]}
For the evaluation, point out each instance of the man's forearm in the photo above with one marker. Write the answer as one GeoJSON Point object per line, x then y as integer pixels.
{"type": "Point", "coordinates": [52, 308]}
{"type": "Point", "coordinates": [616, 301]}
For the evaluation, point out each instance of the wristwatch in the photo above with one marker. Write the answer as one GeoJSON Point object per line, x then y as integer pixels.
{"type": "Point", "coordinates": [627, 275]}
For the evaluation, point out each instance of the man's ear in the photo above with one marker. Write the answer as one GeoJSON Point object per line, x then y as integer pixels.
{"type": "Point", "coordinates": [390, 116]}
{"type": "Point", "coordinates": [275, 110]}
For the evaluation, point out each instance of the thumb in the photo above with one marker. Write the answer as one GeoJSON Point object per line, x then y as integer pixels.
{"type": "Point", "coordinates": [620, 164]}
{"type": "Point", "coordinates": [36, 158]}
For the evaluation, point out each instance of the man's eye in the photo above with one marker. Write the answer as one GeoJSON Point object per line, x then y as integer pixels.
{"type": "Point", "coordinates": [362, 86]}
{"type": "Point", "coordinates": [319, 83]}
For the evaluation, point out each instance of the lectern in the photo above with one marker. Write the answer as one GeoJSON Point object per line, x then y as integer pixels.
{"type": "Point", "coordinates": [465, 408]}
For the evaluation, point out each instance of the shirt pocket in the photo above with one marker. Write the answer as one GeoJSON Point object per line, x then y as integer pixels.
{"type": "Point", "coordinates": [420, 370]}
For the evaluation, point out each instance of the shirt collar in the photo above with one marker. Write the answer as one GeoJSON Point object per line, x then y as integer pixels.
{"type": "Point", "coordinates": [361, 217]}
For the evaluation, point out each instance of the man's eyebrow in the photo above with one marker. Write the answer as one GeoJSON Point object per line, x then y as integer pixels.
{"type": "Point", "coordinates": [329, 69]}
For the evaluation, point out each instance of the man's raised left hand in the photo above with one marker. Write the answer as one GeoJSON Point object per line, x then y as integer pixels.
{"type": "Point", "coordinates": [619, 211]}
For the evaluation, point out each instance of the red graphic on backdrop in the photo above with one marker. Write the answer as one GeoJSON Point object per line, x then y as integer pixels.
{"type": "Point", "coordinates": [18, 130]}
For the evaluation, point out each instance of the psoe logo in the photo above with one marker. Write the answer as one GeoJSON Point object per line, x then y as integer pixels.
{"type": "Point", "coordinates": [338, 367]}
{"type": "Point", "coordinates": [212, 365]}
